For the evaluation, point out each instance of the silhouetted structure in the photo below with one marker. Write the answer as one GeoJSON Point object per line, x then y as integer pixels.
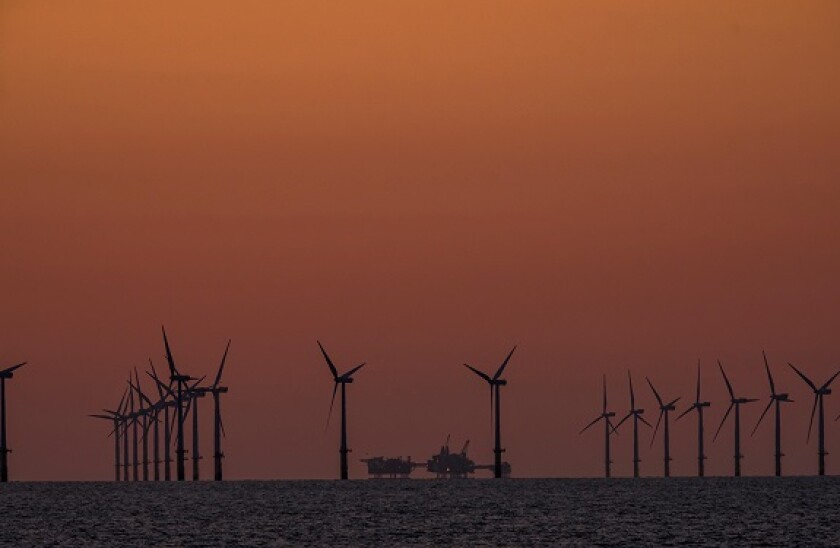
{"type": "Point", "coordinates": [342, 380]}
{"type": "Point", "coordinates": [637, 416]}
{"type": "Point", "coordinates": [698, 406]}
{"type": "Point", "coordinates": [180, 380]}
{"type": "Point", "coordinates": [218, 426]}
{"type": "Point", "coordinates": [496, 382]}
{"type": "Point", "coordinates": [664, 410]}
{"type": "Point", "coordinates": [115, 417]}
{"type": "Point", "coordinates": [390, 467]}
{"type": "Point", "coordinates": [608, 430]}
{"type": "Point", "coordinates": [449, 464]}
{"type": "Point", "coordinates": [777, 399]}
{"type": "Point", "coordinates": [736, 403]}
{"type": "Point", "coordinates": [819, 394]}
{"type": "Point", "coordinates": [167, 400]}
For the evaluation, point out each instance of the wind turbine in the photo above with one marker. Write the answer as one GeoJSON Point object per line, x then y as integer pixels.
{"type": "Point", "coordinates": [608, 429]}
{"type": "Point", "coordinates": [218, 427]}
{"type": "Point", "coordinates": [180, 380]}
{"type": "Point", "coordinates": [736, 403]}
{"type": "Point", "coordinates": [637, 416]}
{"type": "Point", "coordinates": [5, 374]}
{"type": "Point", "coordinates": [164, 391]}
{"type": "Point", "coordinates": [664, 409]}
{"type": "Point", "coordinates": [132, 415]}
{"type": "Point", "coordinates": [342, 380]}
{"type": "Point", "coordinates": [144, 412]}
{"type": "Point", "coordinates": [698, 406]}
{"type": "Point", "coordinates": [193, 393]}
{"type": "Point", "coordinates": [116, 417]}
{"type": "Point", "coordinates": [819, 393]}
{"type": "Point", "coordinates": [777, 399]}
{"type": "Point", "coordinates": [495, 383]}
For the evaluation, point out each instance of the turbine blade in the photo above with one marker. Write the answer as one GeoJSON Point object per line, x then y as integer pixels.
{"type": "Point", "coordinates": [613, 428]}
{"type": "Point", "coordinates": [585, 428]}
{"type": "Point", "coordinates": [655, 430]}
{"type": "Point", "coordinates": [761, 418]}
{"type": "Point", "coordinates": [221, 366]}
{"type": "Point", "coordinates": [811, 422]}
{"type": "Point", "coordinates": [605, 393]}
{"type": "Point", "coordinates": [687, 411]}
{"type": "Point", "coordinates": [12, 368]}
{"type": "Point", "coordinates": [673, 402]}
{"type": "Point", "coordinates": [333, 370]}
{"type": "Point", "coordinates": [481, 374]}
{"type": "Point", "coordinates": [350, 373]}
{"type": "Point", "coordinates": [332, 402]}
{"type": "Point", "coordinates": [731, 405]}
{"type": "Point", "coordinates": [829, 381]}
{"type": "Point", "coordinates": [222, 426]}
{"type": "Point", "coordinates": [632, 396]}
{"type": "Point", "coordinates": [804, 378]}
{"type": "Point", "coordinates": [769, 376]}
{"type": "Point", "coordinates": [641, 418]}
{"type": "Point", "coordinates": [627, 416]}
{"type": "Point", "coordinates": [172, 369]}
{"type": "Point", "coordinates": [698, 382]}
{"type": "Point", "coordinates": [504, 364]}
{"type": "Point", "coordinates": [726, 380]}
{"type": "Point", "coordinates": [655, 393]}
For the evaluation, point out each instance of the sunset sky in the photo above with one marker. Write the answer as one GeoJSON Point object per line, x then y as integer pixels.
{"type": "Point", "coordinates": [609, 185]}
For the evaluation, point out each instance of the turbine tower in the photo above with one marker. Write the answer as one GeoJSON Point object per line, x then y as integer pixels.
{"type": "Point", "coordinates": [736, 403]}
{"type": "Point", "coordinates": [180, 380]}
{"type": "Point", "coordinates": [144, 413]}
{"type": "Point", "coordinates": [664, 410]}
{"type": "Point", "coordinates": [495, 383]}
{"type": "Point", "coordinates": [777, 399]}
{"type": "Point", "coordinates": [698, 406]}
{"type": "Point", "coordinates": [164, 391]}
{"type": "Point", "coordinates": [608, 429]}
{"type": "Point", "coordinates": [193, 393]}
{"type": "Point", "coordinates": [637, 416]}
{"type": "Point", "coordinates": [819, 394]}
{"type": "Point", "coordinates": [342, 380]}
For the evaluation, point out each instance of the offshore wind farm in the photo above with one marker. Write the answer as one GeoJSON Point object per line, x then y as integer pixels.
{"type": "Point", "coordinates": [419, 273]}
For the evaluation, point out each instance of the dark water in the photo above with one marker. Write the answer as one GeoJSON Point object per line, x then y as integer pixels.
{"type": "Point", "coordinates": [651, 512]}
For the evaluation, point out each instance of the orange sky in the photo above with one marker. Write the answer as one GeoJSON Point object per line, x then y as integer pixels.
{"type": "Point", "coordinates": [610, 185]}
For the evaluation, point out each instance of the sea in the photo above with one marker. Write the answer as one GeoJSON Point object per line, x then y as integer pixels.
{"type": "Point", "coordinates": [745, 511]}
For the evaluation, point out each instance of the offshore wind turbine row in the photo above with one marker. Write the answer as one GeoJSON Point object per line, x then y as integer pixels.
{"type": "Point", "coordinates": [139, 418]}
{"type": "Point", "coordinates": [698, 406]}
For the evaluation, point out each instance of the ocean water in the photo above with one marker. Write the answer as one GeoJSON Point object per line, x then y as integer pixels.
{"type": "Point", "coordinates": [512, 512]}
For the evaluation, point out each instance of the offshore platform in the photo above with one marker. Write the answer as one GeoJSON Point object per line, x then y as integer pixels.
{"type": "Point", "coordinates": [445, 464]}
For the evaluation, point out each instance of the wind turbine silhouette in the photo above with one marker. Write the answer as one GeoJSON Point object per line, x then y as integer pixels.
{"type": "Point", "coordinates": [180, 380]}
{"type": "Point", "coordinates": [664, 409]}
{"type": "Point", "coordinates": [495, 383]}
{"type": "Point", "coordinates": [132, 416]}
{"type": "Point", "coordinates": [777, 399]}
{"type": "Point", "coordinates": [5, 374]}
{"type": "Point", "coordinates": [116, 417]}
{"type": "Point", "coordinates": [608, 429]}
{"type": "Point", "coordinates": [218, 426]}
{"type": "Point", "coordinates": [637, 416]}
{"type": "Point", "coordinates": [342, 380]}
{"type": "Point", "coordinates": [698, 405]}
{"type": "Point", "coordinates": [164, 391]}
{"type": "Point", "coordinates": [144, 413]}
{"type": "Point", "coordinates": [193, 393]}
{"type": "Point", "coordinates": [819, 393]}
{"type": "Point", "coordinates": [736, 403]}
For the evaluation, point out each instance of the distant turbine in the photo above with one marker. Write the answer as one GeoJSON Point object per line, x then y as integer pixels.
{"type": "Point", "coordinates": [495, 383]}
{"type": "Point", "coordinates": [193, 393]}
{"type": "Point", "coordinates": [819, 393]}
{"type": "Point", "coordinates": [608, 429]}
{"type": "Point", "coordinates": [637, 416]}
{"type": "Point", "coordinates": [5, 374]}
{"type": "Point", "coordinates": [144, 412]}
{"type": "Point", "coordinates": [664, 409]}
{"type": "Point", "coordinates": [698, 405]}
{"type": "Point", "coordinates": [180, 380]}
{"type": "Point", "coordinates": [218, 426]}
{"type": "Point", "coordinates": [777, 399]}
{"type": "Point", "coordinates": [165, 390]}
{"type": "Point", "coordinates": [736, 403]}
{"type": "Point", "coordinates": [116, 417]}
{"type": "Point", "coordinates": [342, 380]}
